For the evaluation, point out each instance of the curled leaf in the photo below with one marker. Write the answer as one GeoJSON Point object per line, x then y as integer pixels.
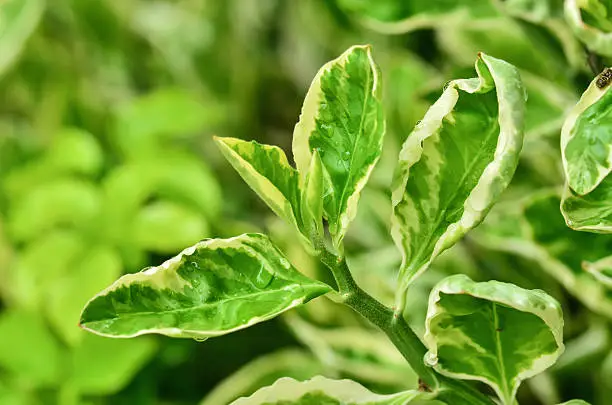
{"type": "Point", "coordinates": [456, 163]}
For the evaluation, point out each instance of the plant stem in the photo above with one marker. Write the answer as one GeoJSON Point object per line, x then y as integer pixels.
{"type": "Point", "coordinates": [399, 332]}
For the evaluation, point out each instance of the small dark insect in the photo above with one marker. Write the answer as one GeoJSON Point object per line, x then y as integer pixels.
{"type": "Point", "coordinates": [604, 78]}
{"type": "Point", "coordinates": [498, 329]}
{"type": "Point", "coordinates": [423, 387]}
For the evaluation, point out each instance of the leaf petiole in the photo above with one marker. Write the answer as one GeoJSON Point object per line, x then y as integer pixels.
{"type": "Point", "coordinates": [399, 332]}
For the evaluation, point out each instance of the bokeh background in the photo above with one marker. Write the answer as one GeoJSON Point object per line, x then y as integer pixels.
{"type": "Point", "coordinates": [107, 166]}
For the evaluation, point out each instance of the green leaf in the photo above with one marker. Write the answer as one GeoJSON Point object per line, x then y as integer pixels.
{"type": "Point", "coordinates": [456, 163]}
{"type": "Point", "coordinates": [266, 170]}
{"type": "Point", "coordinates": [532, 228]}
{"type": "Point", "coordinates": [493, 332]}
{"type": "Point", "coordinates": [74, 150]}
{"type": "Point", "coordinates": [104, 366]}
{"type": "Point", "coordinates": [212, 288]}
{"type": "Point", "coordinates": [396, 17]}
{"type": "Point", "coordinates": [575, 402]}
{"type": "Point", "coordinates": [63, 299]}
{"type": "Point", "coordinates": [606, 372]}
{"type": "Point", "coordinates": [601, 270]}
{"type": "Point", "coordinates": [536, 11]}
{"type": "Point", "coordinates": [342, 119]}
{"type": "Point", "coordinates": [525, 46]}
{"type": "Point", "coordinates": [40, 264]}
{"type": "Point", "coordinates": [166, 180]}
{"type": "Point", "coordinates": [12, 394]}
{"type": "Point", "coordinates": [586, 138]}
{"type": "Point", "coordinates": [356, 352]}
{"type": "Point", "coordinates": [29, 350]}
{"type": "Point", "coordinates": [168, 113]}
{"type": "Point", "coordinates": [587, 161]}
{"type": "Point", "coordinates": [19, 19]}
{"type": "Point", "coordinates": [316, 185]}
{"type": "Point", "coordinates": [590, 22]}
{"type": "Point", "coordinates": [591, 212]}
{"type": "Point", "coordinates": [321, 390]}
{"type": "Point", "coordinates": [264, 371]}
{"type": "Point", "coordinates": [165, 227]}
{"type": "Point", "coordinates": [63, 202]}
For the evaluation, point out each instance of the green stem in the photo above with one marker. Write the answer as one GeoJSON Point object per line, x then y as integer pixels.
{"type": "Point", "coordinates": [399, 332]}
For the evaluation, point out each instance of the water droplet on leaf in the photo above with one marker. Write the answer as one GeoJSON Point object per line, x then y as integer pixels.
{"type": "Point", "coordinates": [200, 339]}
{"type": "Point", "coordinates": [263, 278]}
{"type": "Point", "coordinates": [346, 155]}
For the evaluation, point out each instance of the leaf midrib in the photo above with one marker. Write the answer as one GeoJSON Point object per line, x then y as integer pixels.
{"type": "Point", "coordinates": [367, 95]}
{"type": "Point", "coordinates": [499, 353]}
{"type": "Point", "coordinates": [198, 307]}
{"type": "Point", "coordinates": [438, 221]}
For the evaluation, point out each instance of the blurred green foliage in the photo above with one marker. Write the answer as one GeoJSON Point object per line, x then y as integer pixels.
{"type": "Point", "coordinates": [107, 111]}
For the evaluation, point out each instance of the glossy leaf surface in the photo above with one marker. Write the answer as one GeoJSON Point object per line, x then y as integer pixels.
{"type": "Point", "coordinates": [266, 170]}
{"type": "Point", "coordinates": [493, 332]}
{"type": "Point", "coordinates": [456, 162]}
{"type": "Point", "coordinates": [212, 288]}
{"type": "Point", "coordinates": [586, 138]}
{"type": "Point", "coordinates": [321, 390]}
{"type": "Point", "coordinates": [342, 119]}
{"type": "Point", "coordinates": [587, 160]}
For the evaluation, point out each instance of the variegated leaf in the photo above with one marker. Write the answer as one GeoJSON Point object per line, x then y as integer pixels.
{"type": "Point", "coordinates": [595, 31]}
{"type": "Point", "coordinates": [587, 160]}
{"type": "Point", "coordinates": [263, 371]}
{"type": "Point", "coordinates": [591, 212]}
{"type": "Point", "coordinates": [212, 288]}
{"type": "Point", "coordinates": [316, 185]}
{"type": "Point", "coordinates": [493, 332]}
{"type": "Point", "coordinates": [321, 390]}
{"type": "Point", "coordinates": [601, 270]}
{"type": "Point", "coordinates": [266, 170]}
{"type": "Point", "coordinates": [586, 139]}
{"type": "Point", "coordinates": [455, 164]}
{"type": "Point", "coordinates": [342, 119]}
{"type": "Point", "coordinates": [529, 228]}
